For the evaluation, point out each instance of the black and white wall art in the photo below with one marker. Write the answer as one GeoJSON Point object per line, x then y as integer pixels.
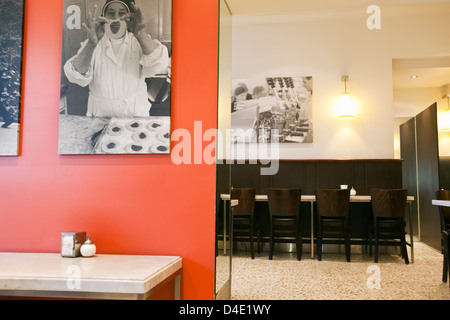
{"type": "Point", "coordinates": [11, 40]}
{"type": "Point", "coordinates": [115, 77]}
{"type": "Point", "coordinates": [272, 109]}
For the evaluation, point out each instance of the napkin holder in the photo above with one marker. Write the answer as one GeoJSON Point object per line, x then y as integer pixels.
{"type": "Point", "coordinates": [71, 243]}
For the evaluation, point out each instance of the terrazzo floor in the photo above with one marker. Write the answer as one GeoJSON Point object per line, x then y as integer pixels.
{"type": "Point", "coordinates": [285, 278]}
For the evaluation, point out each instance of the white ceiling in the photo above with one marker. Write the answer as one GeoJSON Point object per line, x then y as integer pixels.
{"type": "Point", "coordinates": [432, 72]}
{"type": "Point", "coordinates": [258, 7]}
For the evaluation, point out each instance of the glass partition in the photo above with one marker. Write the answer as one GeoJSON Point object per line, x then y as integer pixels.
{"type": "Point", "coordinates": [223, 248]}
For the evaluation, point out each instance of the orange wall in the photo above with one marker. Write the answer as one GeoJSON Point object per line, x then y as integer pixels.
{"type": "Point", "coordinates": [129, 204]}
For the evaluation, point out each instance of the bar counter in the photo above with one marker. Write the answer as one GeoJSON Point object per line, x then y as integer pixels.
{"type": "Point", "coordinates": [311, 199]}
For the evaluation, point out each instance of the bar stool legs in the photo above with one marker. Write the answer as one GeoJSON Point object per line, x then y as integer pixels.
{"type": "Point", "coordinates": [445, 248]}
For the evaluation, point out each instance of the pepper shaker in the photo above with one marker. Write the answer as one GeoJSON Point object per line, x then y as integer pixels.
{"type": "Point", "coordinates": [88, 248]}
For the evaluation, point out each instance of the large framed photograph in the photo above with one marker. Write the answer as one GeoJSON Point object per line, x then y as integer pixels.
{"type": "Point", "coordinates": [11, 39]}
{"type": "Point", "coordinates": [115, 77]}
{"type": "Point", "coordinates": [272, 109]}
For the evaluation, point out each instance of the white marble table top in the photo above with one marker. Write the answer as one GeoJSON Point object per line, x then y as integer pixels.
{"type": "Point", "coordinates": [305, 198]}
{"type": "Point", "coordinates": [444, 203]}
{"type": "Point", "coordinates": [102, 274]}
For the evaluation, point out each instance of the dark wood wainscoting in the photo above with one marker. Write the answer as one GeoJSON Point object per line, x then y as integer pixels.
{"type": "Point", "coordinates": [312, 174]}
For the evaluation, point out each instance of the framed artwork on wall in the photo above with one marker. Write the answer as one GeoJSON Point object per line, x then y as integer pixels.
{"type": "Point", "coordinates": [11, 40]}
{"type": "Point", "coordinates": [272, 109]}
{"type": "Point", "coordinates": [115, 77]}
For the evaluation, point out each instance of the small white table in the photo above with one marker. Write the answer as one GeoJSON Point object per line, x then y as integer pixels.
{"type": "Point", "coordinates": [443, 203]}
{"type": "Point", "coordinates": [99, 277]}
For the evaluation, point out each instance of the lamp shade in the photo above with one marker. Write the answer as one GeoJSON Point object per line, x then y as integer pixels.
{"type": "Point", "coordinates": [346, 107]}
{"type": "Point", "coordinates": [445, 116]}
{"type": "Point", "coordinates": [446, 120]}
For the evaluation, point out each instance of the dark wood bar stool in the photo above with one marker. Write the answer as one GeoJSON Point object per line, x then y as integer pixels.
{"type": "Point", "coordinates": [243, 217]}
{"type": "Point", "coordinates": [388, 206]}
{"type": "Point", "coordinates": [444, 217]}
{"type": "Point", "coordinates": [444, 212]}
{"type": "Point", "coordinates": [445, 248]}
{"type": "Point", "coordinates": [332, 208]}
{"type": "Point", "coordinates": [285, 224]}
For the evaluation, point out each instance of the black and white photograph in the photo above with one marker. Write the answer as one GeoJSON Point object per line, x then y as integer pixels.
{"type": "Point", "coordinates": [115, 77]}
{"type": "Point", "coordinates": [272, 109]}
{"type": "Point", "coordinates": [11, 40]}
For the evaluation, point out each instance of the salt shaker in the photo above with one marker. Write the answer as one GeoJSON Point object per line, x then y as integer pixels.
{"type": "Point", "coordinates": [88, 248]}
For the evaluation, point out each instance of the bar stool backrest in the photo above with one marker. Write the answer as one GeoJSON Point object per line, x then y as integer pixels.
{"type": "Point", "coordinates": [388, 203]}
{"type": "Point", "coordinates": [333, 202]}
{"type": "Point", "coordinates": [246, 198]}
{"type": "Point", "coordinates": [284, 202]}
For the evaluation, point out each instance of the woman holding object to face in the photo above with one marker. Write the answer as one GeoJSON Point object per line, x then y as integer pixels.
{"type": "Point", "coordinates": [115, 60]}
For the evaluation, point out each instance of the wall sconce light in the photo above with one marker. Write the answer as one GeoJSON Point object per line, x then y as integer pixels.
{"type": "Point", "coordinates": [446, 117]}
{"type": "Point", "coordinates": [346, 106]}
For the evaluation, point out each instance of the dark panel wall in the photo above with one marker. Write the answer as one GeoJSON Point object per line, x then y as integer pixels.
{"type": "Point", "coordinates": [428, 175]}
{"type": "Point", "coordinates": [408, 154]}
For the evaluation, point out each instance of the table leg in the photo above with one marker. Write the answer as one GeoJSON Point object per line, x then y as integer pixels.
{"type": "Point", "coordinates": [411, 236]}
{"type": "Point", "coordinates": [177, 287]}
{"type": "Point", "coordinates": [224, 227]}
{"type": "Point", "coordinates": [312, 229]}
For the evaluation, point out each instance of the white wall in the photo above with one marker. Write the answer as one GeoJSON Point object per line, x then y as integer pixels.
{"type": "Point", "coordinates": [225, 66]}
{"type": "Point", "coordinates": [330, 45]}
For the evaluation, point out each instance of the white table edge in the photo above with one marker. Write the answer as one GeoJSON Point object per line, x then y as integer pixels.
{"type": "Point", "coordinates": [443, 203]}
{"type": "Point", "coordinates": [310, 197]}
{"type": "Point", "coordinates": [110, 288]}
